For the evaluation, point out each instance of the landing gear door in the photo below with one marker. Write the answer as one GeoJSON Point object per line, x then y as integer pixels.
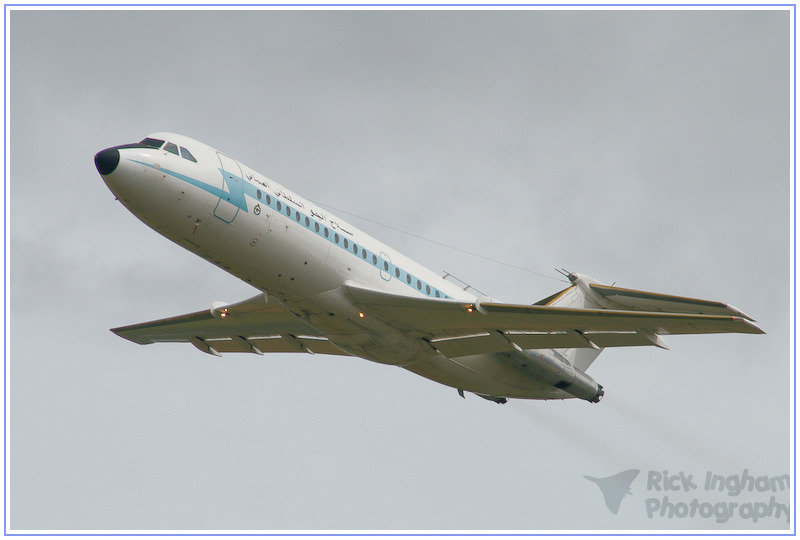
{"type": "Point", "coordinates": [232, 198]}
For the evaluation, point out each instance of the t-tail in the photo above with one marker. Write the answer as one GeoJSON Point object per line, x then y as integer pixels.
{"type": "Point", "coordinates": [587, 293]}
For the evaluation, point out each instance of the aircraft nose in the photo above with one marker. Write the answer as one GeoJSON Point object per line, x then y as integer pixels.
{"type": "Point", "coordinates": [106, 161]}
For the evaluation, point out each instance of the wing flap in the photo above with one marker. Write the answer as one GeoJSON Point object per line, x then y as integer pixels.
{"type": "Point", "coordinates": [548, 340]}
{"type": "Point", "coordinates": [620, 339]}
{"type": "Point", "coordinates": [469, 345]}
{"type": "Point", "coordinates": [272, 344]}
{"type": "Point", "coordinates": [494, 343]}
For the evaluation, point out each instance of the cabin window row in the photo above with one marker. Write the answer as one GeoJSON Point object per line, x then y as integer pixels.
{"type": "Point", "coordinates": [348, 245]}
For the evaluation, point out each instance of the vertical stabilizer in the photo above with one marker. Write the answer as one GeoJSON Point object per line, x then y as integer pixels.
{"type": "Point", "coordinates": [579, 295]}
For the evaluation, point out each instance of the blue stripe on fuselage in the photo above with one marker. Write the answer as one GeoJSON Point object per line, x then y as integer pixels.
{"type": "Point", "coordinates": [213, 190]}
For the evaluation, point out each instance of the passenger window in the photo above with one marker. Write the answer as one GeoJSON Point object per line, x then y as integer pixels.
{"type": "Point", "coordinates": [170, 147]}
{"type": "Point", "coordinates": [258, 194]}
{"type": "Point", "coordinates": [346, 244]}
{"type": "Point", "coordinates": [187, 155]}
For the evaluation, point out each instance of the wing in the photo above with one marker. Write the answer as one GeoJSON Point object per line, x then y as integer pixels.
{"type": "Point", "coordinates": [460, 329]}
{"type": "Point", "coordinates": [254, 325]}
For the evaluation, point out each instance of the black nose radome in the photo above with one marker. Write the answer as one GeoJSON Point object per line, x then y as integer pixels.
{"type": "Point", "coordinates": [106, 161]}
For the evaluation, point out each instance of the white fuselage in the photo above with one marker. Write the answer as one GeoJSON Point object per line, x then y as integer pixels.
{"type": "Point", "coordinates": [301, 254]}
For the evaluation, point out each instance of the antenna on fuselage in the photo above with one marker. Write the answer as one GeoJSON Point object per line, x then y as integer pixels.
{"type": "Point", "coordinates": [567, 274]}
{"type": "Point", "coordinates": [467, 286]}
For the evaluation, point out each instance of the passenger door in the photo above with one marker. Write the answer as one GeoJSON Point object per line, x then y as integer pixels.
{"type": "Point", "coordinates": [232, 198]}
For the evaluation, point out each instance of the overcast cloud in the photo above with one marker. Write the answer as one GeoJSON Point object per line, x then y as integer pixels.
{"type": "Point", "coordinates": [646, 148]}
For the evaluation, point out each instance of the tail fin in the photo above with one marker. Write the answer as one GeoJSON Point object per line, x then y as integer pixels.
{"type": "Point", "coordinates": [575, 296]}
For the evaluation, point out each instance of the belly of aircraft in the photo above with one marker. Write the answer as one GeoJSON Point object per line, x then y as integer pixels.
{"type": "Point", "coordinates": [485, 374]}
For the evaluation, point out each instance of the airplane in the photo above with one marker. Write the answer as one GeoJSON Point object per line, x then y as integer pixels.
{"type": "Point", "coordinates": [326, 287]}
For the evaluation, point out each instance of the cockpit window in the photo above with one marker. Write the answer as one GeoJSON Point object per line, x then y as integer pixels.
{"type": "Point", "coordinates": [171, 147]}
{"type": "Point", "coordinates": [187, 155]}
{"type": "Point", "coordinates": [155, 143]}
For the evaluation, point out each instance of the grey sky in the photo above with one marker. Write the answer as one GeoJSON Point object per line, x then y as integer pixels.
{"type": "Point", "coordinates": [646, 148]}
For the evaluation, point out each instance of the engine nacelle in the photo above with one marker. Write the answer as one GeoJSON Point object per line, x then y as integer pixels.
{"type": "Point", "coordinates": [556, 370]}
